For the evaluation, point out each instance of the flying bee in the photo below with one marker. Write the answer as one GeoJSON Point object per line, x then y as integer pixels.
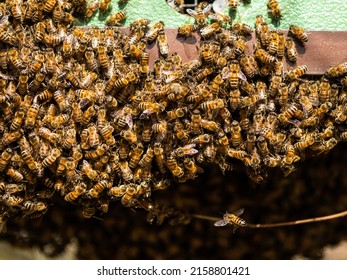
{"type": "Point", "coordinates": [274, 9]}
{"type": "Point", "coordinates": [78, 190]}
{"type": "Point", "coordinates": [298, 33]}
{"type": "Point", "coordinates": [296, 72]}
{"type": "Point", "coordinates": [187, 30]}
{"type": "Point", "coordinates": [232, 219]}
{"type": "Point", "coordinates": [116, 18]}
{"type": "Point", "coordinates": [200, 15]}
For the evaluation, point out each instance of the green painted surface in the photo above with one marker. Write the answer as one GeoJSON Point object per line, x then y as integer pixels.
{"type": "Point", "coordinates": [310, 14]}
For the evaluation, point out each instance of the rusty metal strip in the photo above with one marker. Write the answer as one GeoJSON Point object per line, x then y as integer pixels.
{"type": "Point", "coordinates": [324, 49]}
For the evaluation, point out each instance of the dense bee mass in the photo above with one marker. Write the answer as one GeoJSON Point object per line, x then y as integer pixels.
{"type": "Point", "coordinates": [84, 117]}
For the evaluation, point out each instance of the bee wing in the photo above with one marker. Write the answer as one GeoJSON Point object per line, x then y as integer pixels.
{"type": "Point", "coordinates": [219, 5]}
{"type": "Point", "coordinates": [206, 30]}
{"type": "Point", "coordinates": [207, 9]}
{"type": "Point", "coordinates": [242, 76]}
{"type": "Point", "coordinates": [129, 121]}
{"type": "Point", "coordinates": [220, 223]}
{"type": "Point", "coordinates": [192, 12]}
{"type": "Point", "coordinates": [226, 73]}
{"type": "Point", "coordinates": [239, 212]}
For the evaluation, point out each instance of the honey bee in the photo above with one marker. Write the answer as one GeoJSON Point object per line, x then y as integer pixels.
{"type": "Point", "coordinates": [78, 190]}
{"type": "Point", "coordinates": [187, 30]}
{"type": "Point", "coordinates": [51, 158]}
{"type": "Point", "coordinates": [17, 121]}
{"type": "Point", "coordinates": [129, 135]}
{"type": "Point", "coordinates": [200, 14]}
{"type": "Point", "coordinates": [11, 200]}
{"type": "Point", "coordinates": [29, 160]}
{"type": "Point", "coordinates": [212, 104]}
{"type": "Point", "coordinates": [202, 139]}
{"type": "Point", "coordinates": [296, 72]}
{"type": "Point", "coordinates": [31, 115]}
{"type": "Point", "coordinates": [163, 44]}
{"type": "Point", "coordinates": [14, 174]}
{"type": "Point", "coordinates": [104, 6]}
{"type": "Point", "coordinates": [298, 33]}
{"type": "Point", "coordinates": [249, 66]}
{"type": "Point", "coordinates": [337, 70]}
{"type": "Point", "coordinates": [91, 9]}
{"type": "Point", "coordinates": [152, 33]}
{"type": "Point", "coordinates": [291, 51]}
{"type": "Point", "coordinates": [324, 91]}
{"type": "Point", "coordinates": [236, 137]}
{"type": "Point", "coordinates": [118, 191]}
{"type": "Point", "coordinates": [144, 63]}
{"type": "Point", "coordinates": [147, 158]}
{"type": "Point", "coordinates": [290, 155]}
{"type": "Point", "coordinates": [98, 188]}
{"type": "Point", "coordinates": [232, 219]}
{"type": "Point", "coordinates": [177, 113]}
{"type": "Point", "coordinates": [173, 166]}
{"type": "Point", "coordinates": [47, 134]}
{"type": "Point", "coordinates": [103, 57]}
{"type": "Point", "coordinates": [5, 158]}
{"type": "Point", "coordinates": [127, 174]}
{"type": "Point", "coordinates": [265, 57]}
{"type": "Point", "coordinates": [275, 11]}
{"type": "Point", "coordinates": [116, 18]}
{"type": "Point", "coordinates": [88, 170]}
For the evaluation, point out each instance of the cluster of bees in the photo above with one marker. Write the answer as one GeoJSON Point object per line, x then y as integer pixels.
{"type": "Point", "coordinates": [84, 117]}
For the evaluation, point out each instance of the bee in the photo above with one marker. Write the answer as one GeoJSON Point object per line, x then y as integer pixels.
{"type": "Point", "coordinates": [274, 42]}
{"type": "Point", "coordinates": [17, 121]}
{"type": "Point", "coordinates": [14, 174]}
{"type": "Point", "coordinates": [88, 114]}
{"type": "Point", "coordinates": [129, 135]}
{"type": "Point", "coordinates": [249, 66]}
{"type": "Point", "coordinates": [104, 6]}
{"type": "Point", "coordinates": [152, 33]}
{"type": "Point", "coordinates": [200, 14]}
{"type": "Point", "coordinates": [296, 72]}
{"type": "Point", "coordinates": [232, 219]}
{"type": "Point", "coordinates": [52, 157]}
{"type": "Point", "coordinates": [290, 155]}
{"type": "Point", "coordinates": [212, 104]}
{"type": "Point", "coordinates": [103, 57]}
{"type": "Point", "coordinates": [5, 158]}
{"type": "Point", "coordinates": [265, 57]}
{"type": "Point", "coordinates": [98, 188]}
{"type": "Point", "coordinates": [173, 166]}
{"type": "Point", "coordinates": [291, 52]}
{"type": "Point", "coordinates": [187, 150]}
{"type": "Point", "coordinates": [118, 191]}
{"type": "Point", "coordinates": [202, 139]}
{"type": "Point", "coordinates": [337, 70]}
{"type": "Point", "coordinates": [236, 137]}
{"type": "Point", "coordinates": [187, 30]}
{"type": "Point", "coordinates": [116, 18]}
{"type": "Point", "coordinates": [31, 115]}
{"type": "Point", "coordinates": [47, 134]}
{"type": "Point", "coordinates": [91, 9]}
{"type": "Point", "coordinates": [88, 170]}
{"type": "Point", "coordinates": [275, 11]}
{"type": "Point", "coordinates": [240, 46]}
{"type": "Point", "coordinates": [11, 200]}
{"type": "Point", "coordinates": [126, 172]}
{"type": "Point", "coordinates": [304, 142]}
{"type": "Point", "coordinates": [211, 29]}
{"type": "Point", "coordinates": [78, 190]}
{"type": "Point", "coordinates": [298, 33]}
{"type": "Point", "coordinates": [71, 172]}
{"type": "Point", "coordinates": [159, 157]}
{"type": "Point", "coordinates": [163, 44]}
{"type": "Point", "coordinates": [147, 158]}
{"type": "Point", "coordinates": [275, 85]}
{"type": "Point", "coordinates": [324, 91]}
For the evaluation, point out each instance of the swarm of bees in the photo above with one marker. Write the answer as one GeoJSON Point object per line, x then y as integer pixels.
{"type": "Point", "coordinates": [84, 117]}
